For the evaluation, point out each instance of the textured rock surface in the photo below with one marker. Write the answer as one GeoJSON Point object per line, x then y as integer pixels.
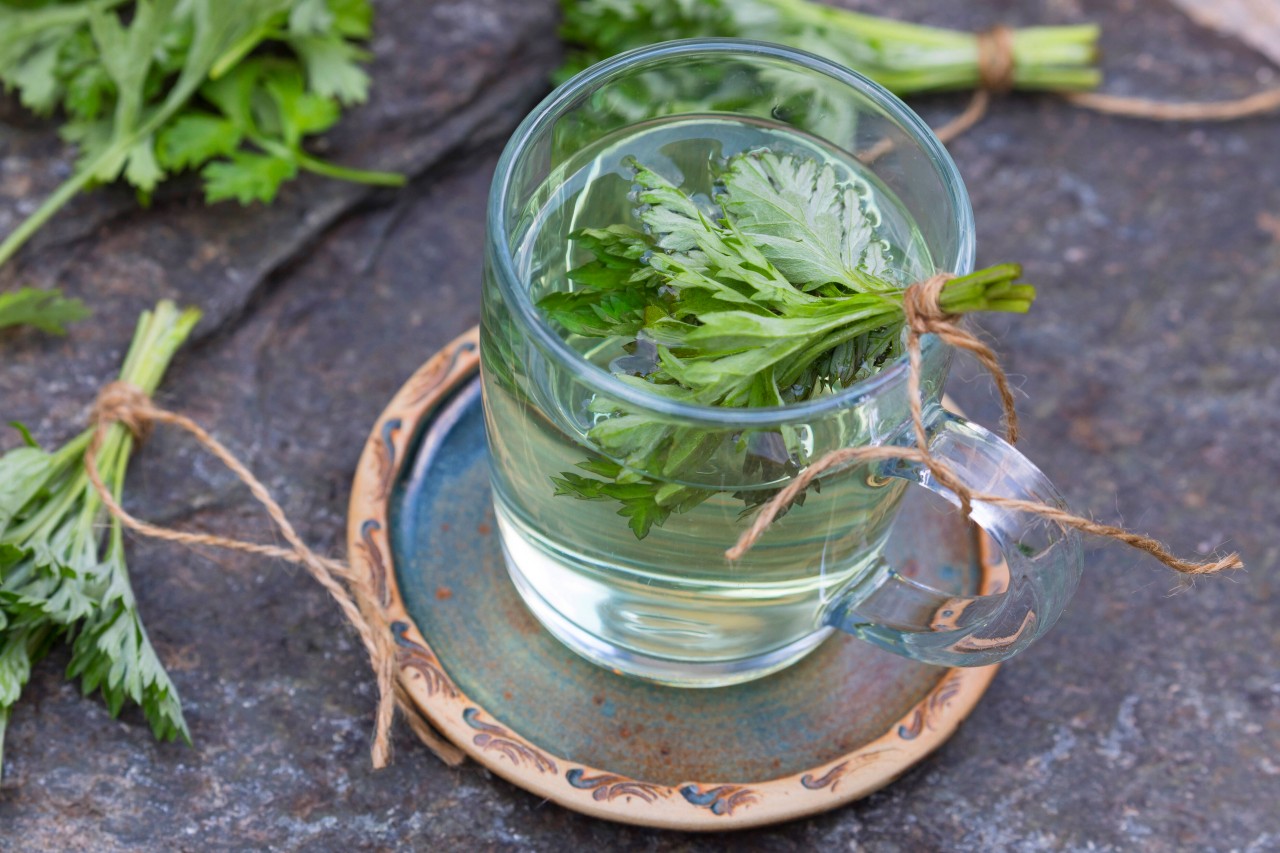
{"type": "Point", "coordinates": [1146, 720]}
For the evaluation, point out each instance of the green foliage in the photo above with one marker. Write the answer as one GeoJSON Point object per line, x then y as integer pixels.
{"type": "Point", "coordinates": [62, 566]}
{"type": "Point", "coordinates": [47, 310]}
{"type": "Point", "coordinates": [229, 88]}
{"type": "Point", "coordinates": [783, 294]}
{"type": "Point", "coordinates": [903, 57]}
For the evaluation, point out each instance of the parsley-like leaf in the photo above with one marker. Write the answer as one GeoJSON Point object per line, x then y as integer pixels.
{"type": "Point", "coordinates": [813, 228]}
{"type": "Point", "coordinates": [778, 293]}
{"type": "Point", "coordinates": [310, 17]}
{"type": "Point", "coordinates": [47, 310]}
{"type": "Point", "coordinates": [35, 77]}
{"type": "Point", "coordinates": [267, 103]}
{"type": "Point", "coordinates": [20, 647]}
{"type": "Point", "coordinates": [246, 177]}
{"type": "Point", "coordinates": [333, 67]}
{"type": "Point", "coordinates": [195, 137]}
{"type": "Point", "coordinates": [154, 87]}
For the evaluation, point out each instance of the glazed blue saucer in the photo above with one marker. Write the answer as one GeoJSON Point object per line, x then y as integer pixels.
{"type": "Point", "coordinates": [842, 722]}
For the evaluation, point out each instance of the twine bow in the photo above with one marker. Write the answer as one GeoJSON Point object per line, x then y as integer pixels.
{"type": "Point", "coordinates": [924, 316]}
{"type": "Point", "coordinates": [127, 405]}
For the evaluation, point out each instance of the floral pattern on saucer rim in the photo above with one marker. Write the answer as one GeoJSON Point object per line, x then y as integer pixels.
{"type": "Point", "coordinates": [716, 804]}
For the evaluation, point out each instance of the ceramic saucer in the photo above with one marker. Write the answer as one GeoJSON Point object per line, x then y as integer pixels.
{"type": "Point", "coordinates": [843, 722]}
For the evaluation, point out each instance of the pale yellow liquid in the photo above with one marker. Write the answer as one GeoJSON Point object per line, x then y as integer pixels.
{"type": "Point", "coordinates": [669, 606]}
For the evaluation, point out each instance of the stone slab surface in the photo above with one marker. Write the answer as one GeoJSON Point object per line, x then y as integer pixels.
{"type": "Point", "coordinates": [1149, 719]}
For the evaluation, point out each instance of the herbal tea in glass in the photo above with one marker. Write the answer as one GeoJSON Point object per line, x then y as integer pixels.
{"type": "Point", "coordinates": [689, 299]}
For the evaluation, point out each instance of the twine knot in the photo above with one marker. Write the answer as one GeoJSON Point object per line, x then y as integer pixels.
{"type": "Point", "coordinates": [996, 60]}
{"type": "Point", "coordinates": [921, 304]}
{"type": "Point", "coordinates": [997, 73]}
{"type": "Point", "coordinates": [922, 307]}
{"type": "Point", "coordinates": [123, 403]}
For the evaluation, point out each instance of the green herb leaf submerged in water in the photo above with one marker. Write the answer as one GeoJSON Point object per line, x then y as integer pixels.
{"type": "Point", "coordinates": [62, 566]}
{"type": "Point", "coordinates": [783, 293]}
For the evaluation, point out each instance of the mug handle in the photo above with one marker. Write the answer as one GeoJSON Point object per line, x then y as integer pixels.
{"type": "Point", "coordinates": [1044, 560]}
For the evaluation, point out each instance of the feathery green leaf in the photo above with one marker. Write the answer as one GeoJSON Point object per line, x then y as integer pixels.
{"type": "Point", "coordinates": [779, 291]}
{"type": "Point", "coordinates": [62, 564]}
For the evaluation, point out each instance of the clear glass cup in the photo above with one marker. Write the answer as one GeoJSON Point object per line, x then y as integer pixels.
{"type": "Point", "coordinates": [670, 607]}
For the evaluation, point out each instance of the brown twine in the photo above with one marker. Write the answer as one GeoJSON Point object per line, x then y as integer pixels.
{"type": "Point", "coordinates": [125, 404]}
{"type": "Point", "coordinates": [925, 316]}
{"type": "Point", "coordinates": [996, 74]}
{"type": "Point", "coordinates": [1249, 106]}
{"type": "Point", "coordinates": [996, 61]}
{"type": "Point", "coordinates": [971, 115]}
{"type": "Point", "coordinates": [997, 66]}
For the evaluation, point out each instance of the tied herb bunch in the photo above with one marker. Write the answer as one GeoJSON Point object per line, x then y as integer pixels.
{"type": "Point", "coordinates": [905, 58]}
{"type": "Point", "coordinates": [778, 291]}
{"type": "Point", "coordinates": [63, 575]}
{"type": "Point", "coordinates": [902, 57]}
{"type": "Point", "coordinates": [227, 88]}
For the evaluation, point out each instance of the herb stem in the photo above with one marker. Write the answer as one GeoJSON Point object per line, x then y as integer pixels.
{"type": "Point", "coordinates": [937, 58]}
{"type": "Point", "coordinates": [53, 204]}
{"type": "Point", "coordinates": [149, 60]}
{"type": "Point", "coordinates": [115, 545]}
{"type": "Point", "coordinates": [112, 155]}
{"type": "Point", "coordinates": [49, 513]}
{"type": "Point", "coordinates": [241, 49]}
{"type": "Point", "coordinates": [344, 173]}
{"type": "Point", "coordinates": [34, 21]}
{"type": "Point", "coordinates": [72, 450]}
{"type": "Point", "coordinates": [903, 56]}
{"type": "Point", "coordinates": [327, 169]}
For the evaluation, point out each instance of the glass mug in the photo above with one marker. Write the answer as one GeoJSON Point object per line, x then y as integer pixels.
{"type": "Point", "coordinates": [670, 607]}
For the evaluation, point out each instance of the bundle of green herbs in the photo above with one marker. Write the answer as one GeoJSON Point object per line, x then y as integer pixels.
{"type": "Point", "coordinates": [903, 57]}
{"type": "Point", "coordinates": [783, 293]}
{"type": "Point", "coordinates": [63, 576]}
{"type": "Point", "coordinates": [228, 88]}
